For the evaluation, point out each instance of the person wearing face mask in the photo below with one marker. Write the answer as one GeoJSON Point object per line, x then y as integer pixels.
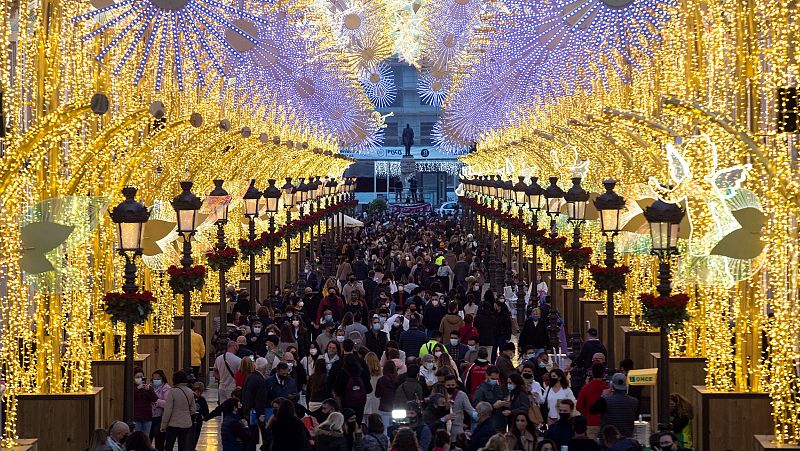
{"type": "Point", "coordinates": [562, 431]}
{"type": "Point", "coordinates": [460, 406]}
{"type": "Point", "coordinates": [543, 366]}
{"type": "Point", "coordinates": [352, 286]}
{"type": "Point", "coordinates": [161, 388]}
{"type": "Point", "coordinates": [273, 354]}
{"type": "Point", "coordinates": [357, 325]}
{"type": "Point", "coordinates": [532, 386]}
{"type": "Point", "coordinates": [375, 338]}
{"type": "Point", "coordinates": [413, 339]}
{"type": "Point", "coordinates": [452, 321]}
{"type": "Point", "coordinates": [534, 331]}
{"type": "Point", "coordinates": [518, 398]}
{"type": "Point", "coordinates": [455, 348]}
{"type": "Point", "coordinates": [296, 371]}
{"type": "Point", "coordinates": [489, 391]}
{"type": "Point", "coordinates": [307, 362]}
{"type": "Point", "coordinates": [235, 433]}
{"type": "Point", "coordinates": [143, 398]}
{"type": "Point", "coordinates": [504, 363]}
{"type": "Point", "coordinates": [280, 385]}
{"type": "Point", "coordinates": [257, 340]}
{"type": "Point", "coordinates": [437, 414]}
{"type": "Point", "coordinates": [557, 389]}
{"type": "Point", "coordinates": [589, 395]}
{"type": "Point", "coordinates": [434, 341]}
{"type": "Point", "coordinates": [326, 335]}
{"type": "Point", "coordinates": [334, 305]}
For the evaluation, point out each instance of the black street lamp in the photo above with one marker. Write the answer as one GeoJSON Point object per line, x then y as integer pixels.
{"type": "Point", "coordinates": [554, 195]}
{"type": "Point", "coordinates": [288, 196]}
{"type": "Point", "coordinates": [221, 211]}
{"type": "Point", "coordinates": [520, 198]}
{"type": "Point", "coordinates": [252, 199]}
{"type": "Point", "coordinates": [186, 206]}
{"type": "Point", "coordinates": [273, 196]}
{"type": "Point", "coordinates": [300, 199]}
{"type": "Point", "coordinates": [664, 220]}
{"type": "Point", "coordinates": [534, 194]}
{"type": "Point", "coordinates": [130, 217]}
{"type": "Point", "coordinates": [610, 205]}
{"type": "Point", "coordinates": [577, 198]}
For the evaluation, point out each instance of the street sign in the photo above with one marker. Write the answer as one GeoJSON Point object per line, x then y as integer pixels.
{"type": "Point", "coordinates": [645, 376]}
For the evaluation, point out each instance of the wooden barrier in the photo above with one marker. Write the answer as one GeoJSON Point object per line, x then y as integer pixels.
{"type": "Point", "coordinates": [637, 346]}
{"type": "Point", "coordinates": [588, 312]}
{"type": "Point", "coordinates": [261, 285]}
{"type": "Point", "coordinates": [729, 420]}
{"type": "Point", "coordinates": [165, 351]}
{"type": "Point", "coordinates": [213, 312]}
{"type": "Point", "coordinates": [203, 326]}
{"type": "Point", "coordinates": [572, 310]}
{"type": "Point", "coordinates": [619, 337]}
{"type": "Point", "coordinates": [684, 373]}
{"type": "Point", "coordinates": [558, 295]}
{"type": "Point", "coordinates": [764, 443]}
{"type": "Point", "coordinates": [62, 422]}
{"type": "Point", "coordinates": [24, 444]}
{"type": "Point", "coordinates": [264, 281]}
{"type": "Point", "coordinates": [110, 374]}
{"type": "Point", "coordinates": [294, 266]}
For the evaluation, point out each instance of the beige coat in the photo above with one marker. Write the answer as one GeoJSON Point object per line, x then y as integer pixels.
{"type": "Point", "coordinates": [178, 407]}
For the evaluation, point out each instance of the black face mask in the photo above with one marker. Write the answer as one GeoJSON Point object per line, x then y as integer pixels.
{"type": "Point", "coordinates": [442, 411]}
{"type": "Point", "coordinates": [564, 416]}
{"type": "Point", "coordinates": [553, 380]}
{"type": "Point", "coordinates": [527, 376]}
{"type": "Point", "coordinates": [451, 390]}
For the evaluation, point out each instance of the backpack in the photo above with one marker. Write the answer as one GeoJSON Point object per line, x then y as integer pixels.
{"type": "Point", "coordinates": [355, 393]}
{"type": "Point", "coordinates": [477, 375]}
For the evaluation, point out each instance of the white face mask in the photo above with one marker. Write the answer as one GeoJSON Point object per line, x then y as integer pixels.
{"type": "Point", "coordinates": [437, 353]}
{"type": "Point", "coordinates": [138, 380]}
{"type": "Point", "coordinates": [313, 351]}
{"type": "Point", "coordinates": [296, 323]}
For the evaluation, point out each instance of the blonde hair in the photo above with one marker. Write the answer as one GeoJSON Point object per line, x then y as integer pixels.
{"type": "Point", "coordinates": [496, 443]}
{"type": "Point", "coordinates": [335, 422]}
{"type": "Point", "coordinates": [247, 366]}
{"type": "Point", "coordinates": [373, 363]}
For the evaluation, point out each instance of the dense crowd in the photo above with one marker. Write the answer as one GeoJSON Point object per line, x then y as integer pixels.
{"type": "Point", "coordinates": [403, 348]}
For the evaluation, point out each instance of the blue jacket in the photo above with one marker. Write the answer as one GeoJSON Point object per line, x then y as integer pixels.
{"type": "Point", "coordinates": [276, 389]}
{"type": "Point", "coordinates": [483, 432]}
{"type": "Point", "coordinates": [411, 340]}
{"type": "Point", "coordinates": [235, 435]}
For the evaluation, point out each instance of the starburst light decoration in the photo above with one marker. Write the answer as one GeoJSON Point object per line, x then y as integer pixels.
{"type": "Point", "coordinates": [378, 83]}
{"type": "Point", "coordinates": [185, 35]}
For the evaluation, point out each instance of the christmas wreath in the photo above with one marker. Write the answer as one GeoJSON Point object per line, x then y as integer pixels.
{"type": "Point", "coordinates": [609, 279]}
{"type": "Point", "coordinates": [553, 245]}
{"type": "Point", "coordinates": [222, 260]}
{"type": "Point", "coordinates": [182, 280]}
{"type": "Point", "coordinates": [274, 239]}
{"type": "Point", "coordinates": [133, 308]}
{"type": "Point", "coordinates": [533, 235]}
{"type": "Point", "coordinates": [249, 248]}
{"type": "Point", "coordinates": [576, 257]}
{"type": "Point", "coordinates": [665, 311]}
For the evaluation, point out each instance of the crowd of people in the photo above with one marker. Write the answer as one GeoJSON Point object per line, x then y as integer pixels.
{"type": "Point", "coordinates": [403, 348]}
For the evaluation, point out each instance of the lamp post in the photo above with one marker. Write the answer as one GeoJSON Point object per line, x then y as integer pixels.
{"type": "Point", "coordinates": [221, 211]}
{"type": "Point", "coordinates": [252, 199]}
{"type": "Point", "coordinates": [300, 199]}
{"type": "Point", "coordinates": [664, 220]}
{"type": "Point", "coordinates": [331, 189]}
{"type": "Point", "coordinates": [577, 198]}
{"type": "Point", "coordinates": [520, 198]}
{"type": "Point", "coordinates": [186, 205]}
{"type": "Point", "coordinates": [554, 195]}
{"type": "Point", "coordinates": [273, 195]}
{"type": "Point", "coordinates": [610, 205]}
{"type": "Point", "coordinates": [130, 217]}
{"type": "Point", "coordinates": [534, 193]}
{"type": "Point", "coordinates": [288, 194]}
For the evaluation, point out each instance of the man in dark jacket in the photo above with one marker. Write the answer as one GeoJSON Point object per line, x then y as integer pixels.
{"type": "Point", "coordinates": [617, 409]}
{"type": "Point", "coordinates": [433, 313]}
{"type": "Point", "coordinates": [460, 272]}
{"type": "Point", "coordinates": [505, 364]}
{"type": "Point", "coordinates": [486, 324]}
{"type": "Point", "coordinates": [534, 332]}
{"type": "Point", "coordinates": [490, 392]}
{"type": "Point", "coordinates": [360, 268]}
{"type": "Point", "coordinates": [412, 339]}
{"type": "Point", "coordinates": [370, 290]}
{"type": "Point", "coordinates": [485, 429]}
{"type": "Point", "coordinates": [280, 385]}
{"type": "Point", "coordinates": [562, 430]}
{"type": "Point", "coordinates": [376, 338]}
{"type": "Point", "coordinates": [591, 346]}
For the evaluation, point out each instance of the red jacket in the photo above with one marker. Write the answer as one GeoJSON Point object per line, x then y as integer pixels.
{"type": "Point", "coordinates": [589, 394]}
{"type": "Point", "coordinates": [466, 331]}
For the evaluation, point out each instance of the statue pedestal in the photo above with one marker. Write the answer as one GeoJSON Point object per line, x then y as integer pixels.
{"type": "Point", "coordinates": [165, 351]}
{"type": "Point", "coordinates": [110, 374]}
{"type": "Point", "coordinates": [764, 443]}
{"type": "Point", "coordinates": [24, 444]}
{"type": "Point", "coordinates": [729, 420]}
{"type": "Point", "coordinates": [62, 422]}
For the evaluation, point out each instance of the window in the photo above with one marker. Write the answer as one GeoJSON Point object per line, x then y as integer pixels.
{"type": "Point", "coordinates": [425, 131]}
